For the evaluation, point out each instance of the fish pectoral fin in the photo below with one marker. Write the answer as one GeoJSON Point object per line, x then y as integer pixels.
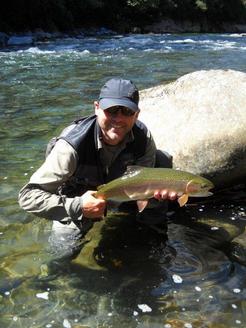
{"type": "Point", "coordinates": [183, 200]}
{"type": "Point", "coordinates": [142, 204]}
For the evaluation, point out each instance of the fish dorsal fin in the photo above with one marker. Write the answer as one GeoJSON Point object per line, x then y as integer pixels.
{"type": "Point", "coordinates": [132, 170]}
{"type": "Point", "coordinates": [183, 200]}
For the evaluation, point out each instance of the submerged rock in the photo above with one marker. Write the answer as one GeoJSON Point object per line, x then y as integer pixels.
{"type": "Point", "coordinates": [200, 119]}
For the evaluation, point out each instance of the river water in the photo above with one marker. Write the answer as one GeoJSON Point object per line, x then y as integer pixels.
{"type": "Point", "coordinates": [127, 275]}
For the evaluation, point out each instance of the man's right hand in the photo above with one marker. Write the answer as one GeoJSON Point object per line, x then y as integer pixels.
{"type": "Point", "coordinates": [92, 208]}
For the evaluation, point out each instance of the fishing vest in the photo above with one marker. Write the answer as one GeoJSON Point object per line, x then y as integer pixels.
{"type": "Point", "coordinates": [82, 136]}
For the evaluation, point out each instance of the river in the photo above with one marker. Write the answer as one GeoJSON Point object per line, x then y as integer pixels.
{"type": "Point", "coordinates": [127, 275]}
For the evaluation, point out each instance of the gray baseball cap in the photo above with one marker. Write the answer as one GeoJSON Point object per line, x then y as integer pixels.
{"type": "Point", "coordinates": [119, 92]}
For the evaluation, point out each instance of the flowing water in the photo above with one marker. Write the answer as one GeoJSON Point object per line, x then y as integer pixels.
{"type": "Point", "coordinates": [127, 275]}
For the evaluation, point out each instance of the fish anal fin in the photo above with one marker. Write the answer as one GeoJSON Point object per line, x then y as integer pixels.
{"type": "Point", "coordinates": [142, 204]}
{"type": "Point", "coordinates": [183, 200]}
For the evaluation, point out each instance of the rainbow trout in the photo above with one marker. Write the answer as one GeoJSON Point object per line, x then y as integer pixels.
{"type": "Point", "coordinates": [140, 183]}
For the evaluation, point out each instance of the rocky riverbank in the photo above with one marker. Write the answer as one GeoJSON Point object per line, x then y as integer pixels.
{"type": "Point", "coordinates": [172, 26]}
{"type": "Point", "coordinates": [164, 26]}
{"type": "Point", "coordinates": [39, 36]}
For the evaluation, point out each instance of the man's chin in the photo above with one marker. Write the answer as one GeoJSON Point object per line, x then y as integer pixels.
{"type": "Point", "coordinates": [114, 138]}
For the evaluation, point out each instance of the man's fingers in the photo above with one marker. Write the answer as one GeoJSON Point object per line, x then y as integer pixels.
{"type": "Point", "coordinates": [161, 194]}
{"type": "Point", "coordinates": [172, 195]}
{"type": "Point", "coordinates": [165, 194]}
{"type": "Point", "coordinates": [92, 207]}
{"type": "Point", "coordinates": [157, 194]}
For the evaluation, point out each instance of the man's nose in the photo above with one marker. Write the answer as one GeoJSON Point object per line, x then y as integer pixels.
{"type": "Point", "coordinates": [118, 116]}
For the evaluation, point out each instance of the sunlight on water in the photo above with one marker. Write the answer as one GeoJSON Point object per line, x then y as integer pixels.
{"type": "Point", "coordinates": [127, 275]}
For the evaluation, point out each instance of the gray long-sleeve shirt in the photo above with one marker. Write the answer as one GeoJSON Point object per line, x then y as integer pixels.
{"type": "Point", "coordinates": [39, 195]}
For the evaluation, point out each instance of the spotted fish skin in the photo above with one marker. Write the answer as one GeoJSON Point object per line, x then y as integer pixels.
{"type": "Point", "coordinates": [140, 183]}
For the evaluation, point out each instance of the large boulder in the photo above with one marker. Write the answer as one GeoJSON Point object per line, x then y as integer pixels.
{"type": "Point", "coordinates": [200, 119]}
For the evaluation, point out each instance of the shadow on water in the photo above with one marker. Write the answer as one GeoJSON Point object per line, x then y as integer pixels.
{"type": "Point", "coordinates": [122, 256]}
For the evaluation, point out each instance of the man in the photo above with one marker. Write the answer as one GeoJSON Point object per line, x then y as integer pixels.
{"type": "Point", "coordinates": [92, 151]}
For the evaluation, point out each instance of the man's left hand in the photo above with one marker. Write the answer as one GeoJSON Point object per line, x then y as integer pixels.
{"type": "Point", "coordinates": [165, 195]}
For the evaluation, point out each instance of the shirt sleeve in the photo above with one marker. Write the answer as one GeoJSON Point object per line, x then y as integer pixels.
{"type": "Point", "coordinates": [39, 195]}
{"type": "Point", "coordinates": [148, 159]}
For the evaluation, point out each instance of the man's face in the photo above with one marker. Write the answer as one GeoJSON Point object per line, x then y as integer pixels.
{"type": "Point", "coordinates": [115, 125]}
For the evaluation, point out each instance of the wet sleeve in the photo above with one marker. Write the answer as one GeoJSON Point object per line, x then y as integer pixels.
{"type": "Point", "coordinates": [39, 195]}
{"type": "Point", "coordinates": [148, 159]}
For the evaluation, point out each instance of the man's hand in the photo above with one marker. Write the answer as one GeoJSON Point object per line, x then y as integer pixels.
{"type": "Point", "coordinates": [165, 195]}
{"type": "Point", "coordinates": [93, 208]}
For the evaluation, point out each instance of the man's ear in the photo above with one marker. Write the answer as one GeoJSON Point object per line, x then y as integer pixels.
{"type": "Point", "coordinates": [96, 106]}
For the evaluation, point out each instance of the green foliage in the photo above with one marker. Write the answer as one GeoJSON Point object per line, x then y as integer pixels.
{"type": "Point", "coordinates": [144, 5]}
{"type": "Point", "coordinates": [64, 15]}
{"type": "Point", "coordinates": [229, 10]}
{"type": "Point", "coordinates": [201, 5]}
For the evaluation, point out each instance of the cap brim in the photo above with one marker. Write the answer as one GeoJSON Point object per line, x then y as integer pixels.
{"type": "Point", "coordinates": [111, 102]}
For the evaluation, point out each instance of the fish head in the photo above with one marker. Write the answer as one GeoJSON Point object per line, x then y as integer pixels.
{"type": "Point", "coordinates": [199, 187]}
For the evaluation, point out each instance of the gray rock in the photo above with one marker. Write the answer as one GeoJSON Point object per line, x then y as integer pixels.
{"type": "Point", "coordinates": [3, 39]}
{"type": "Point", "coordinates": [40, 35]}
{"type": "Point", "coordinates": [201, 120]}
{"type": "Point", "coordinates": [21, 40]}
